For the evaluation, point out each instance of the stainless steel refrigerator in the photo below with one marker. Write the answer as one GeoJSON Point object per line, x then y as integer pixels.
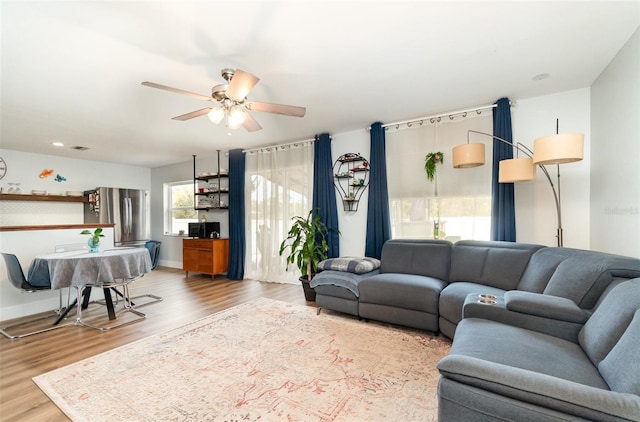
{"type": "Point", "coordinates": [127, 209]}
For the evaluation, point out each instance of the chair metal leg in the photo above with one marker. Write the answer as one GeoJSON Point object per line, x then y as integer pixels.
{"type": "Point", "coordinates": [127, 307]}
{"type": "Point", "coordinates": [155, 299]}
{"type": "Point", "coordinates": [5, 330]}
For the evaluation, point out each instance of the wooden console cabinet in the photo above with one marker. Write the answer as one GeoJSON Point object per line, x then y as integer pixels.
{"type": "Point", "coordinates": [205, 256]}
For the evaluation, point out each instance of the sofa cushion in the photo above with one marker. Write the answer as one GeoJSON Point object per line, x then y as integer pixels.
{"type": "Point", "coordinates": [496, 264]}
{"type": "Point", "coordinates": [552, 307]}
{"type": "Point", "coordinates": [577, 274]}
{"type": "Point", "coordinates": [487, 391]}
{"type": "Point", "coordinates": [621, 368]}
{"type": "Point", "coordinates": [542, 265]}
{"type": "Point", "coordinates": [575, 277]}
{"type": "Point", "coordinates": [430, 258]}
{"type": "Point", "coordinates": [334, 291]}
{"type": "Point", "coordinates": [610, 320]}
{"type": "Point", "coordinates": [357, 265]}
{"type": "Point", "coordinates": [406, 291]}
{"type": "Point", "coordinates": [524, 349]}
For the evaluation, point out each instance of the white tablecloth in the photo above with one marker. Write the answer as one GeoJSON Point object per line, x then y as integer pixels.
{"type": "Point", "coordinates": [78, 268]}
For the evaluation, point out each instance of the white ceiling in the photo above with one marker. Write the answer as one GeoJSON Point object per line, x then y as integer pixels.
{"type": "Point", "coordinates": [72, 71]}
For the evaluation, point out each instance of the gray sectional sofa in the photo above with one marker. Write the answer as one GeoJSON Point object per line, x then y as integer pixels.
{"type": "Point", "coordinates": [539, 333]}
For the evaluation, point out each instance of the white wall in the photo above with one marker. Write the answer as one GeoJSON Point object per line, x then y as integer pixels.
{"type": "Point", "coordinates": [171, 248]}
{"type": "Point", "coordinates": [25, 167]}
{"type": "Point", "coordinates": [615, 169]}
{"type": "Point", "coordinates": [352, 224]}
{"type": "Point", "coordinates": [536, 220]}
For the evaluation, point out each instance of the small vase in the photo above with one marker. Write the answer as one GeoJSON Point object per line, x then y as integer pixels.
{"type": "Point", "coordinates": [94, 245]}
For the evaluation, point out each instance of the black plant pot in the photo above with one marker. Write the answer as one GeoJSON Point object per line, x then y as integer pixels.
{"type": "Point", "coordinates": [309, 293]}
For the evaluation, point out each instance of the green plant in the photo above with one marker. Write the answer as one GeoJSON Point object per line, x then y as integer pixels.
{"type": "Point", "coordinates": [307, 243]}
{"type": "Point", "coordinates": [95, 236]}
{"type": "Point", "coordinates": [430, 161]}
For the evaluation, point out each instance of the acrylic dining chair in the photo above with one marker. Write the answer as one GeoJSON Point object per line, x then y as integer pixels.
{"type": "Point", "coordinates": [20, 282]}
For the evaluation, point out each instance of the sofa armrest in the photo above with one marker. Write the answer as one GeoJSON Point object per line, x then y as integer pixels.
{"type": "Point", "coordinates": [541, 389]}
{"type": "Point", "coordinates": [546, 306]}
{"type": "Point", "coordinates": [498, 311]}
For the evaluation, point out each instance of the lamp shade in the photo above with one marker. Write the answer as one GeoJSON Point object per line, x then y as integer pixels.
{"type": "Point", "coordinates": [516, 170]}
{"type": "Point", "coordinates": [558, 149]}
{"type": "Point", "coordinates": [468, 155]}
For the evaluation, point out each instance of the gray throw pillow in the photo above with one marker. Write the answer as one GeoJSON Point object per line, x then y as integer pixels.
{"type": "Point", "coordinates": [356, 265]}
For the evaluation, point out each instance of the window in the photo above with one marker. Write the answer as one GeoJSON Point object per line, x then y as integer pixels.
{"type": "Point", "coordinates": [179, 206]}
{"type": "Point", "coordinates": [463, 199]}
{"type": "Point", "coordinates": [279, 185]}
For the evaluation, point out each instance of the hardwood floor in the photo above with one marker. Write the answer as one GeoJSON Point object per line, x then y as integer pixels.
{"type": "Point", "coordinates": [183, 301]}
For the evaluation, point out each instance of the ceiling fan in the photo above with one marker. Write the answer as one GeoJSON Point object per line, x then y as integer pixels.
{"type": "Point", "coordinates": [232, 101]}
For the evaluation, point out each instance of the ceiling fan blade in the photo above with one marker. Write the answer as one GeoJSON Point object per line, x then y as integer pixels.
{"type": "Point", "coordinates": [176, 90]}
{"type": "Point", "coordinates": [250, 123]}
{"type": "Point", "coordinates": [287, 110]}
{"type": "Point", "coordinates": [241, 83]}
{"type": "Point", "coordinates": [193, 114]}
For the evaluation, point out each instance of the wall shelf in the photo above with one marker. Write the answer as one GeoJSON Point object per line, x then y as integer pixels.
{"type": "Point", "coordinates": [50, 198]}
{"type": "Point", "coordinates": [214, 194]}
{"type": "Point", "coordinates": [351, 179]}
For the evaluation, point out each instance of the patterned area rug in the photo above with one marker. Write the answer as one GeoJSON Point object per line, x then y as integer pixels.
{"type": "Point", "coordinates": [264, 360]}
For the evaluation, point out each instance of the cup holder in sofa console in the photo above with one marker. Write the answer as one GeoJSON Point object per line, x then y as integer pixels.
{"type": "Point", "coordinates": [487, 299]}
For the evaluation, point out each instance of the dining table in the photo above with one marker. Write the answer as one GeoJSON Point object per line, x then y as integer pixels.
{"type": "Point", "coordinates": [83, 270]}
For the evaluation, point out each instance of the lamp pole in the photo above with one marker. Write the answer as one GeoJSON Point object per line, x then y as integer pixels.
{"type": "Point", "coordinates": [556, 194]}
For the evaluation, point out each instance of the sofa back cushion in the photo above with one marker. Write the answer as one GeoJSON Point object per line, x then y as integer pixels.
{"type": "Point", "coordinates": [580, 280]}
{"type": "Point", "coordinates": [576, 274]}
{"type": "Point", "coordinates": [420, 257]}
{"type": "Point", "coordinates": [496, 264]}
{"type": "Point", "coordinates": [610, 321]}
{"type": "Point", "coordinates": [542, 265]}
{"type": "Point", "coordinates": [621, 367]}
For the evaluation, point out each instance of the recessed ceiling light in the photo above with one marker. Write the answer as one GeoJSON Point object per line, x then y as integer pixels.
{"type": "Point", "coordinates": [540, 76]}
{"type": "Point", "coordinates": [57, 144]}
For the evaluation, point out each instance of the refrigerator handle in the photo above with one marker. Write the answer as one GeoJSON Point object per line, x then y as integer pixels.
{"type": "Point", "coordinates": [127, 215]}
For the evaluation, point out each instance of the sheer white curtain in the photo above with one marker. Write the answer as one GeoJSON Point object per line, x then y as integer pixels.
{"type": "Point", "coordinates": [464, 195]}
{"type": "Point", "coordinates": [279, 184]}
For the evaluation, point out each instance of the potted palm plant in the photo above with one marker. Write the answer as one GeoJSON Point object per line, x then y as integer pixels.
{"type": "Point", "coordinates": [307, 246]}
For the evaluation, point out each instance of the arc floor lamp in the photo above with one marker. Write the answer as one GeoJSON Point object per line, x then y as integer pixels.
{"type": "Point", "coordinates": [554, 149]}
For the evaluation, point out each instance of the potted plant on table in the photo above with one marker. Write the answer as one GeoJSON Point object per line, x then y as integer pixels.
{"type": "Point", "coordinates": [307, 246]}
{"type": "Point", "coordinates": [94, 239]}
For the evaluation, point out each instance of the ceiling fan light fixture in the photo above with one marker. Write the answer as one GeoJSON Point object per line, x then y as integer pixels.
{"type": "Point", "coordinates": [230, 101]}
{"type": "Point", "coordinates": [236, 117]}
{"type": "Point", "coordinates": [216, 114]}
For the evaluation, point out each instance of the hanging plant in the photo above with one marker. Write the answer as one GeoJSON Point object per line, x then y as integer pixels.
{"type": "Point", "coordinates": [430, 161]}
